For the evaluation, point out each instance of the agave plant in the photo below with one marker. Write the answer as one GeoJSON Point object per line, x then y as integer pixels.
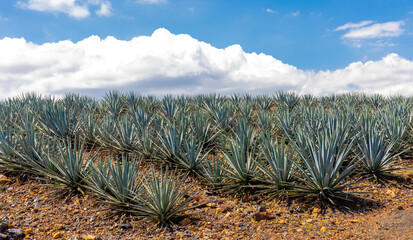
{"type": "Point", "coordinates": [127, 135]}
{"type": "Point", "coordinates": [89, 129]}
{"type": "Point", "coordinates": [115, 104]}
{"type": "Point", "coordinates": [191, 157]}
{"type": "Point", "coordinates": [117, 181]}
{"type": "Point", "coordinates": [170, 142]}
{"type": "Point", "coordinates": [242, 168]}
{"type": "Point", "coordinates": [376, 156]}
{"type": "Point", "coordinates": [279, 169]}
{"type": "Point", "coordinates": [169, 107]}
{"type": "Point", "coordinates": [32, 150]}
{"type": "Point", "coordinates": [264, 102]}
{"type": "Point", "coordinates": [203, 129]}
{"type": "Point", "coordinates": [286, 119]}
{"type": "Point", "coordinates": [395, 120]}
{"type": "Point", "coordinates": [221, 115]}
{"type": "Point", "coordinates": [163, 198]}
{"type": "Point", "coordinates": [213, 171]}
{"type": "Point", "coordinates": [71, 165]}
{"type": "Point", "coordinates": [288, 99]}
{"type": "Point", "coordinates": [323, 153]}
{"type": "Point", "coordinates": [60, 120]}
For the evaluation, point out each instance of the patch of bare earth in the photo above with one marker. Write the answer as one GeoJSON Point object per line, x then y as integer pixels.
{"type": "Point", "coordinates": [42, 213]}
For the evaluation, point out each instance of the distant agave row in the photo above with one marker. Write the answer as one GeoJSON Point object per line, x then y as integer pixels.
{"type": "Point", "coordinates": [281, 144]}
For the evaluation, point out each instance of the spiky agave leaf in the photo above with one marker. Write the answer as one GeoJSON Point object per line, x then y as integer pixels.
{"type": "Point", "coordinates": [395, 120]}
{"type": "Point", "coordinates": [31, 151]}
{"type": "Point", "coordinates": [203, 129]}
{"type": "Point", "coordinates": [71, 166]}
{"type": "Point", "coordinates": [117, 181]}
{"type": "Point", "coordinates": [59, 120]}
{"type": "Point", "coordinates": [8, 148]}
{"type": "Point", "coordinates": [288, 99]}
{"type": "Point", "coordinates": [279, 168]}
{"type": "Point", "coordinates": [376, 156]}
{"type": "Point", "coordinates": [213, 171]}
{"type": "Point", "coordinates": [170, 141]}
{"type": "Point", "coordinates": [163, 198]}
{"type": "Point", "coordinates": [192, 155]}
{"type": "Point", "coordinates": [242, 168]}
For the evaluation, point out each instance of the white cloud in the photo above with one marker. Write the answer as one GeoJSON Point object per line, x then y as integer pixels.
{"type": "Point", "coordinates": [388, 29]}
{"type": "Point", "coordinates": [351, 25]}
{"type": "Point", "coordinates": [104, 10]}
{"type": "Point", "coordinates": [296, 13]}
{"type": "Point", "coordinates": [74, 8]}
{"type": "Point", "coordinates": [3, 19]}
{"type": "Point", "coordinates": [152, 1]}
{"type": "Point", "coordinates": [366, 33]}
{"type": "Point", "coordinates": [269, 10]}
{"type": "Point", "coordinates": [167, 63]}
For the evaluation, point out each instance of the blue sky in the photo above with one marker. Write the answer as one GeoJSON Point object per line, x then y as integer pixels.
{"type": "Point", "coordinates": [313, 36]}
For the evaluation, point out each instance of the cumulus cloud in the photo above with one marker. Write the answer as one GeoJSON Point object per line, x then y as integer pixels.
{"type": "Point", "coordinates": [74, 8]}
{"type": "Point", "coordinates": [179, 64]}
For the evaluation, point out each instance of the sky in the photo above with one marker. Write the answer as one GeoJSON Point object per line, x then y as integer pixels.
{"type": "Point", "coordinates": [206, 46]}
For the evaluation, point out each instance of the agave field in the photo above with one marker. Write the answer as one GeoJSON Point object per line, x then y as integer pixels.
{"type": "Point", "coordinates": [145, 156]}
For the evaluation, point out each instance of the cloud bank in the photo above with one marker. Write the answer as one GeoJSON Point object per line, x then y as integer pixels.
{"type": "Point", "coordinates": [179, 64]}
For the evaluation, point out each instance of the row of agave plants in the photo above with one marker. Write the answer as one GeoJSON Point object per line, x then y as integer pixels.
{"type": "Point", "coordinates": [281, 144]}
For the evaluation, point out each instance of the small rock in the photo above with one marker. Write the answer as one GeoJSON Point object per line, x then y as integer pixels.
{"type": "Point", "coordinates": [58, 227]}
{"type": "Point", "coordinates": [226, 207]}
{"type": "Point", "coordinates": [15, 234]}
{"type": "Point", "coordinates": [185, 221]}
{"type": "Point", "coordinates": [263, 216]}
{"type": "Point", "coordinates": [262, 209]}
{"type": "Point", "coordinates": [28, 231]}
{"type": "Point", "coordinates": [211, 205]}
{"type": "Point", "coordinates": [390, 193]}
{"type": "Point", "coordinates": [125, 226]}
{"type": "Point", "coordinates": [316, 210]}
{"type": "Point", "coordinates": [57, 235]}
{"type": "Point", "coordinates": [89, 237]}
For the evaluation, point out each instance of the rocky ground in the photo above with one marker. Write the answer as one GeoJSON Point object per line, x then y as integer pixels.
{"type": "Point", "coordinates": [38, 211]}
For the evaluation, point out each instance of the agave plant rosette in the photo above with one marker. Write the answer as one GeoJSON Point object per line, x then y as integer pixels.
{"type": "Point", "coordinates": [322, 154]}
{"type": "Point", "coordinates": [279, 169]}
{"type": "Point", "coordinates": [163, 197]}
{"type": "Point", "coordinates": [376, 156]}
{"type": "Point", "coordinates": [116, 181]}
